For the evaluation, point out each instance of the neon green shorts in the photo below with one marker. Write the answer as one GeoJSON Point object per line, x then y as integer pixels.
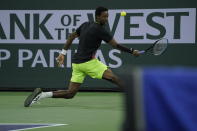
{"type": "Point", "coordinates": [94, 68]}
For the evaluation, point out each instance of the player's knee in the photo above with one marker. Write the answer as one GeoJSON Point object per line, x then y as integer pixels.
{"type": "Point", "coordinates": [70, 95]}
{"type": "Point", "coordinates": [114, 78]}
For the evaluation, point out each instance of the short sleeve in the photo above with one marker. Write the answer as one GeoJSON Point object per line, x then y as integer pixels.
{"type": "Point", "coordinates": [105, 35]}
{"type": "Point", "coordinates": [78, 30]}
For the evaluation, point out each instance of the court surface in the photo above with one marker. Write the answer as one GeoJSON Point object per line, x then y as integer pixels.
{"type": "Point", "coordinates": [87, 111]}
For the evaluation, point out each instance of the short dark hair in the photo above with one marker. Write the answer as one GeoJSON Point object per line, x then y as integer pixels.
{"type": "Point", "coordinates": [99, 10]}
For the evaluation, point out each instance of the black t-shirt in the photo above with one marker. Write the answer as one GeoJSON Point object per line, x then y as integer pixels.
{"type": "Point", "coordinates": [91, 35]}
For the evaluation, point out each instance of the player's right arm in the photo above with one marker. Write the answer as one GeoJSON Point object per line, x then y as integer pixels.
{"type": "Point", "coordinates": [60, 58]}
{"type": "Point", "coordinates": [107, 37]}
{"type": "Point", "coordinates": [114, 44]}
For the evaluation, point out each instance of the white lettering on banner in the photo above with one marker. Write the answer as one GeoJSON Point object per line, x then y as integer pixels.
{"type": "Point", "coordinates": [22, 57]}
{"type": "Point", "coordinates": [100, 56]}
{"type": "Point", "coordinates": [52, 56]}
{"type": "Point", "coordinates": [33, 59]}
{"type": "Point", "coordinates": [39, 59]}
{"type": "Point", "coordinates": [68, 60]}
{"type": "Point", "coordinates": [4, 55]}
{"type": "Point", "coordinates": [138, 26]}
{"type": "Point", "coordinates": [115, 58]}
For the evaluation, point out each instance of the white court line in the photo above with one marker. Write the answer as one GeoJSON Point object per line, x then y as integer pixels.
{"type": "Point", "coordinates": [48, 125]}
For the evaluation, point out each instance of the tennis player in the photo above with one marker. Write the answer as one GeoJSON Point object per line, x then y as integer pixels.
{"type": "Point", "coordinates": [84, 63]}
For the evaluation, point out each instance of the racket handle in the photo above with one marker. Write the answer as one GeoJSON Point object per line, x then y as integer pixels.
{"type": "Point", "coordinates": [62, 65]}
{"type": "Point", "coordinates": [142, 52]}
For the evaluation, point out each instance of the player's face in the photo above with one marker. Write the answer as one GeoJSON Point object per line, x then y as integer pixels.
{"type": "Point", "coordinates": [103, 18]}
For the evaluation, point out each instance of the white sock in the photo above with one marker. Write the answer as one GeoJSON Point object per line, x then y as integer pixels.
{"type": "Point", "coordinates": [46, 95]}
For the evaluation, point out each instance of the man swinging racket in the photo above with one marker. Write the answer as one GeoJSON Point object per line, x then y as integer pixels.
{"type": "Point", "coordinates": [84, 63]}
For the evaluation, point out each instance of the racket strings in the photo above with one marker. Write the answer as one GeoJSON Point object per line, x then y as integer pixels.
{"type": "Point", "coordinates": [159, 47]}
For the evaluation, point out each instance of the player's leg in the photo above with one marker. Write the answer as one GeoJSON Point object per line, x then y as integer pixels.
{"type": "Point", "coordinates": [67, 94]}
{"type": "Point", "coordinates": [110, 76]}
{"type": "Point", "coordinates": [76, 80]}
{"type": "Point", "coordinates": [37, 94]}
{"type": "Point", "coordinates": [97, 69]}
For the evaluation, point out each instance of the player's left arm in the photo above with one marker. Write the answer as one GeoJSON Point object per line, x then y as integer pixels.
{"type": "Point", "coordinates": [132, 51]}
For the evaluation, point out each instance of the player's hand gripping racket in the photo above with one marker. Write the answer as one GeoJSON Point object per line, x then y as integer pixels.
{"type": "Point", "coordinates": [157, 48]}
{"type": "Point", "coordinates": [60, 60]}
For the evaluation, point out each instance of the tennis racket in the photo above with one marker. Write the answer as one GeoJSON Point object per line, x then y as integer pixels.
{"type": "Point", "coordinates": [157, 48]}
